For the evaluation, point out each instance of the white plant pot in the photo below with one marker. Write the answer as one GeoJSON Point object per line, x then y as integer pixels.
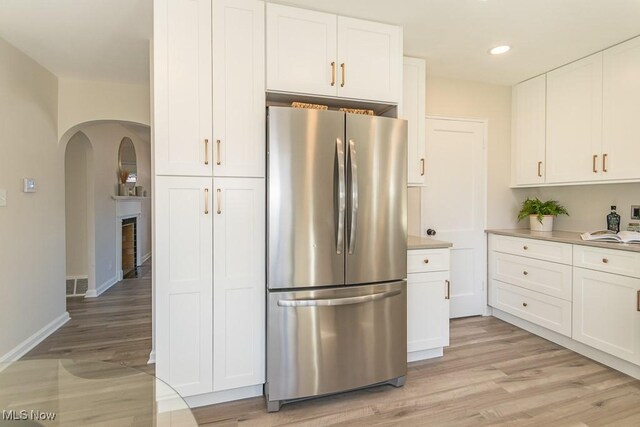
{"type": "Point", "coordinates": [547, 223]}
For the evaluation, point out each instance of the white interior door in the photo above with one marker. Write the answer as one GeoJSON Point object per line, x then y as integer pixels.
{"type": "Point", "coordinates": [454, 205]}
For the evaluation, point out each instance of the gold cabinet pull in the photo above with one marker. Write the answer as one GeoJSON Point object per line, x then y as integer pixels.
{"type": "Point", "coordinates": [595, 160]}
{"type": "Point", "coordinates": [540, 169]}
{"type": "Point", "coordinates": [206, 151]}
{"type": "Point", "coordinates": [343, 67]}
{"type": "Point", "coordinates": [604, 162]}
{"type": "Point", "coordinates": [422, 167]}
{"type": "Point", "coordinates": [206, 201]}
{"type": "Point", "coordinates": [219, 201]}
{"type": "Point", "coordinates": [605, 260]}
{"type": "Point", "coordinates": [333, 73]}
{"type": "Point", "coordinates": [524, 304]}
{"type": "Point", "coordinates": [448, 289]}
{"type": "Point", "coordinates": [217, 152]}
{"type": "Point", "coordinates": [638, 301]}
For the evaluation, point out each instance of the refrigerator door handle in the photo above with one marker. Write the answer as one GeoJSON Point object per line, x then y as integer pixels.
{"type": "Point", "coordinates": [336, 301]}
{"type": "Point", "coordinates": [342, 205]}
{"type": "Point", "coordinates": [354, 195]}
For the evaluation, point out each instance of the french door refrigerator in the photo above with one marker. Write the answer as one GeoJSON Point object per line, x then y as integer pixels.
{"type": "Point", "coordinates": [336, 252]}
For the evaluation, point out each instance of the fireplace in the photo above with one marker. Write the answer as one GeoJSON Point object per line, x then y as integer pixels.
{"type": "Point", "coordinates": [129, 247]}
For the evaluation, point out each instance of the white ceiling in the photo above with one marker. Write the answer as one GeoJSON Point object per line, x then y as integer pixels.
{"type": "Point", "coordinates": [104, 40]}
{"type": "Point", "coordinates": [107, 39]}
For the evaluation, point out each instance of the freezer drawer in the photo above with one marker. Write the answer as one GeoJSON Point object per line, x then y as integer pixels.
{"type": "Point", "coordinates": [331, 340]}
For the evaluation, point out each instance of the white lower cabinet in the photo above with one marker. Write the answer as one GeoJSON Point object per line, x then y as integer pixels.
{"type": "Point", "coordinates": [428, 296]}
{"type": "Point", "coordinates": [209, 283]}
{"type": "Point", "coordinates": [183, 283]}
{"type": "Point", "coordinates": [594, 300]}
{"type": "Point", "coordinates": [606, 312]}
{"type": "Point", "coordinates": [238, 283]}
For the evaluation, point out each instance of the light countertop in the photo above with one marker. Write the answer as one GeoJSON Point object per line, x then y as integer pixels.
{"type": "Point", "coordinates": [571, 237]}
{"type": "Point", "coordinates": [415, 242]}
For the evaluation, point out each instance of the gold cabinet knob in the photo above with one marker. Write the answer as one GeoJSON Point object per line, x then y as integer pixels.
{"type": "Point", "coordinates": [426, 261]}
{"type": "Point", "coordinates": [605, 260]}
{"type": "Point", "coordinates": [524, 304]}
{"type": "Point", "coordinates": [525, 247]}
{"type": "Point", "coordinates": [525, 273]}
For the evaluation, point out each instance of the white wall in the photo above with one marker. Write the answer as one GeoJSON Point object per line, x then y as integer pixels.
{"type": "Point", "coordinates": [83, 101]}
{"type": "Point", "coordinates": [105, 140]}
{"type": "Point", "coordinates": [32, 248]}
{"type": "Point", "coordinates": [76, 206]}
{"type": "Point", "coordinates": [588, 205]}
{"type": "Point", "coordinates": [466, 99]}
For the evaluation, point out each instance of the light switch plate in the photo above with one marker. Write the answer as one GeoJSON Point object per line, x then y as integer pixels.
{"type": "Point", "coordinates": [29, 185]}
{"type": "Point", "coordinates": [3, 198]}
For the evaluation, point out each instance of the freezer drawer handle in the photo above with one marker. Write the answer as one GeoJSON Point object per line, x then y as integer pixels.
{"type": "Point", "coordinates": [336, 301]}
{"type": "Point", "coordinates": [341, 196]}
{"type": "Point", "coordinates": [354, 194]}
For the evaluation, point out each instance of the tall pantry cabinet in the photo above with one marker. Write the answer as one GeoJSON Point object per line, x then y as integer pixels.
{"type": "Point", "coordinates": [209, 148]}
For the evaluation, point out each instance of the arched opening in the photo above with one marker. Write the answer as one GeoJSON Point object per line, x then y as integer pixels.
{"type": "Point", "coordinates": [79, 213]}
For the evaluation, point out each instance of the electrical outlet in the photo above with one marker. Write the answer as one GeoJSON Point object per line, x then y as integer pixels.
{"type": "Point", "coordinates": [635, 211]}
{"type": "Point", "coordinates": [3, 198]}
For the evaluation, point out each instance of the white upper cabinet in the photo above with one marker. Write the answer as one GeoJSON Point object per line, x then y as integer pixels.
{"type": "Point", "coordinates": [621, 105]}
{"type": "Point", "coordinates": [182, 117]}
{"type": "Point", "coordinates": [239, 283]}
{"type": "Point", "coordinates": [238, 88]}
{"type": "Point", "coordinates": [412, 109]}
{"type": "Point", "coordinates": [574, 121]}
{"type": "Point", "coordinates": [301, 51]}
{"type": "Point", "coordinates": [183, 283]}
{"type": "Point", "coordinates": [370, 60]}
{"type": "Point", "coordinates": [317, 53]}
{"type": "Point", "coordinates": [528, 131]}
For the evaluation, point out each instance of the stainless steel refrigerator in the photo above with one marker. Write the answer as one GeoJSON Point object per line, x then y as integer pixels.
{"type": "Point", "coordinates": [336, 252]}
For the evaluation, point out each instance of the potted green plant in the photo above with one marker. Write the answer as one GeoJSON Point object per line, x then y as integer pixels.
{"type": "Point", "coordinates": [541, 213]}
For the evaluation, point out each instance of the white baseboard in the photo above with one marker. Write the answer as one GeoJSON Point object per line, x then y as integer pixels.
{"type": "Point", "coordinates": [25, 346]}
{"type": "Point", "coordinates": [145, 258]}
{"type": "Point", "coordinates": [224, 396]}
{"type": "Point", "coordinates": [152, 358]}
{"type": "Point", "coordinates": [102, 288]}
{"type": "Point", "coordinates": [414, 356]}
{"type": "Point", "coordinates": [583, 349]}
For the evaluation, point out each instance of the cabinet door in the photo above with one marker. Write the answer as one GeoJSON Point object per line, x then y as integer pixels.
{"type": "Point", "coordinates": [301, 51]}
{"type": "Point", "coordinates": [239, 283]}
{"type": "Point", "coordinates": [182, 95]}
{"type": "Point", "coordinates": [370, 60]}
{"type": "Point", "coordinates": [528, 129]}
{"type": "Point", "coordinates": [621, 104]}
{"type": "Point", "coordinates": [183, 283]}
{"type": "Point", "coordinates": [574, 121]}
{"type": "Point", "coordinates": [427, 311]}
{"type": "Point", "coordinates": [238, 87]}
{"type": "Point", "coordinates": [412, 109]}
{"type": "Point", "coordinates": [606, 313]}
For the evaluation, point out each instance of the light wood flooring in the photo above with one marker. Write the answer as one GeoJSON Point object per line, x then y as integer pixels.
{"type": "Point", "coordinates": [492, 374]}
{"type": "Point", "coordinates": [115, 327]}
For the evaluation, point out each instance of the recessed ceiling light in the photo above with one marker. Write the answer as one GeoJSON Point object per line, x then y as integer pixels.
{"type": "Point", "coordinates": [498, 50]}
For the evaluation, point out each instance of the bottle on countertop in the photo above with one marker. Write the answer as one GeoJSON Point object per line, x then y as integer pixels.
{"type": "Point", "coordinates": [613, 220]}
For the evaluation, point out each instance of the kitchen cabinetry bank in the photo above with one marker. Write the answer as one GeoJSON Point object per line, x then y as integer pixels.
{"type": "Point", "coordinates": [428, 296]}
{"type": "Point", "coordinates": [576, 124]}
{"type": "Point", "coordinates": [582, 295]}
{"type": "Point", "coordinates": [209, 228]}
